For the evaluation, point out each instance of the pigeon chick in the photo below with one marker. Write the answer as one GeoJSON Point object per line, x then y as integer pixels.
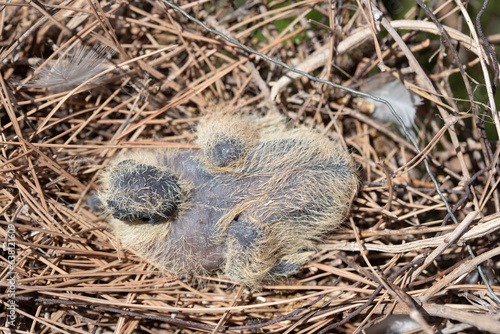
{"type": "Point", "coordinates": [253, 202]}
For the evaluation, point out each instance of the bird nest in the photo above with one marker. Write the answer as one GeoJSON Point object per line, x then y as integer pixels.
{"type": "Point", "coordinates": [83, 81]}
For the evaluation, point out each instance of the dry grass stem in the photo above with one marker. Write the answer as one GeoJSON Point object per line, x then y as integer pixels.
{"type": "Point", "coordinates": [399, 253]}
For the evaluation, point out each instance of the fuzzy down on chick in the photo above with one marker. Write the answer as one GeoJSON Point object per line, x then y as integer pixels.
{"type": "Point", "coordinates": [253, 202]}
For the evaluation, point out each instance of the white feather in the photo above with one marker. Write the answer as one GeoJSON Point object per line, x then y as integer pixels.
{"type": "Point", "coordinates": [72, 70]}
{"type": "Point", "coordinates": [401, 99]}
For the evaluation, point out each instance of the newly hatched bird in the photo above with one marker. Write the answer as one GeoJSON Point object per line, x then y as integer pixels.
{"type": "Point", "coordinates": [253, 202]}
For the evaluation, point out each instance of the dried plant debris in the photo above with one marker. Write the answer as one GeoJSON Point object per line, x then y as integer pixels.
{"type": "Point", "coordinates": [253, 202]}
{"type": "Point", "coordinates": [77, 66]}
{"type": "Point", "coordinates": [73, 275]}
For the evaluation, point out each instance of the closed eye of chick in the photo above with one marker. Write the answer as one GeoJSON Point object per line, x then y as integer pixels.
{"type": "Point", "coordinates": [253, 202]}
